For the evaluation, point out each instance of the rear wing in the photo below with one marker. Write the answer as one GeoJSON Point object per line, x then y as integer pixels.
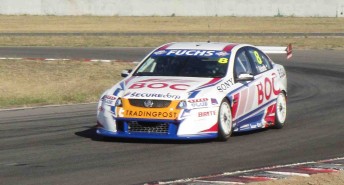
{"type": "Point", "coordinates": [277, 50]}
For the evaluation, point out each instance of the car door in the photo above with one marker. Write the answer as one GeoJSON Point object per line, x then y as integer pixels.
{"type": "Point", "coordinates": [264, 76]}
{"type": "Point", "coordinates": [263, 99]}
{"type": "Point", "coordinates": [240, 96]}
{"type": "Point", "coordinates": [251, 102]}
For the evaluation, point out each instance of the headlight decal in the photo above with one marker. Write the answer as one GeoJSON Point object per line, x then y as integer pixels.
{"type": "Point", "coordinates": [182, 105]}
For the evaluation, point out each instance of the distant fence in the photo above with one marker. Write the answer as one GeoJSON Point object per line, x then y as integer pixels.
{"type": "Point", "coordinates": [298, 8]}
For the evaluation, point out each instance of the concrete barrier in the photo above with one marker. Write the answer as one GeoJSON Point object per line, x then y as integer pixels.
{"type": "Point", "coordinates": [298, 8]}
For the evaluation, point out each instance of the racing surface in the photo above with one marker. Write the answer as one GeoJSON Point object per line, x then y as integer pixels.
{"type": "Point", "coordinates": [58, 145]}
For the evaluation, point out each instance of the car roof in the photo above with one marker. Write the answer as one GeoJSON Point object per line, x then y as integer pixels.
{"type": "Point", "coordinates": [217, 46]}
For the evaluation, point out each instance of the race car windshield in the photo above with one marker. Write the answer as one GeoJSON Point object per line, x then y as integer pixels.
{"type": "Point", "coordinates": [186, 66]}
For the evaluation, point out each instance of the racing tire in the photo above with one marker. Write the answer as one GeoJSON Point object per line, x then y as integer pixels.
{"type": "Point", "coordinates": [281, 111]}
{"type": "Point", "coordinates": [225, 121]}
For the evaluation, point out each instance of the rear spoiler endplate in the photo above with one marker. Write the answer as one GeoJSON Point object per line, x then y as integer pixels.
{"type": "Point", "coordinates": [277, 50]}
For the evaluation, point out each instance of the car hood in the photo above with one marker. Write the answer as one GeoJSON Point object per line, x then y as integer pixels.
{"type": "Point", "coordinates": [143, 87]}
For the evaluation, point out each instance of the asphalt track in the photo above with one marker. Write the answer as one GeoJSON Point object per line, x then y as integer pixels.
{"type": "Point", "coordinates": [58, 145]}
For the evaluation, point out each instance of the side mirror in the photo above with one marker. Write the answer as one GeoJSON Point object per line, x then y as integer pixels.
{"type": "Point", "coordinates": [245, 77]}
{"type": "Point", "coordinates": [126, 72]}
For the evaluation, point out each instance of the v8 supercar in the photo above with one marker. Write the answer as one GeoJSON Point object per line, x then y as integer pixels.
{"type": "Point", "coordinates": [197, 91]}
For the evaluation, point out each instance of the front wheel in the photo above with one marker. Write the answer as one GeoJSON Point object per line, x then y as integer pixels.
{"type": "Point", "coordinates": [281, 111]}
{"type": "Point", "coordinates": [225, 121]}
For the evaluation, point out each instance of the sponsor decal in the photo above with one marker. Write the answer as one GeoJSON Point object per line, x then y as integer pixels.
{"type": "Point", "coordinates": [214, 101]}
{"type": "Point", "coordinates": [151, 95]}
{"type": "Point", "coordinates": [222, 54]}
{"type": "Point", "coordinates": [148, 103]}
{"type": "Point", "coordinates": [109, 102]}
{"type": "Point", "coordinates": [245, 127]}
{"type": "Point", "coordinates": [201, 102]}
{"type": "Point", "coordinates": [281, 72]}
{"type": "Point", "coordinates": [109, 99]}
{"type": "Point", "coordinates": [185, 52]}
{"type": "Point", "coordinates": [190, 53]}
{"type": "Point", "coordinates": [161, 52]}
{"type": "Point", "coordinates": [128, 111]}
{"type": "Point", "coordinates": [198, 100]}
{"type": "Point", "coordinates": [266, 88]}
{"type": "Point", "coordinates": [256, 125]}
{"type": "Point", "coordinates": [145, 114]}
{"type": "Point", "coordinates": [262, 68]}
{"type": "Point", "coordinates": [161, 85]}
{"type": "Point", "coordinates": [225, 85]}
{"type": "Point", "coordinates": [167, 80]}
{"type": "Point", "coordinates": [207, 113]}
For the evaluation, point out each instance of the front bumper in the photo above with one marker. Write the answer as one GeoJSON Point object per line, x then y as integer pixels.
{"type": "Point", "coordinates": [138, 135]}
{"type": "Point", "coordinates": [192, 125]}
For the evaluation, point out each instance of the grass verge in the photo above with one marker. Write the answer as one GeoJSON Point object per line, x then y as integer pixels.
{"type": "Point", "coordinates": [153, 41]}
{"type": "Point", "coordinates": [169, 24]}
{"type": "Point", "coordinates": [86, 24]}
{"type": "Point", "coordinates": [31, 83]}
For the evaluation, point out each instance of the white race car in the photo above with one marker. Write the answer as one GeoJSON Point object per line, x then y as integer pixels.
{"type": "Point", "coordinates": [197, 90]}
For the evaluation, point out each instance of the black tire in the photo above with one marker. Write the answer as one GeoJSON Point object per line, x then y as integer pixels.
{"type": "Point", "coordinates": [225, 123]}
{"type": "Point", "coordinates": [281, 111]}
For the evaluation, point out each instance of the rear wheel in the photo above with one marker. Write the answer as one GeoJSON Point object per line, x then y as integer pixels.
{"type": "Point", "coordinates": [281, 111]}
{"type": "Point", "coordinates": [225, 121]}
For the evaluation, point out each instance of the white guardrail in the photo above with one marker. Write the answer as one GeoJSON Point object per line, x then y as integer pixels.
{"type": "Point", "coordinates": [298, 8]}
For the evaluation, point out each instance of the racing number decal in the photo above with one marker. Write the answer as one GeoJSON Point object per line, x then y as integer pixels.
{"type": "Point", "coordinates": [223, 60]}
{"type": "Point", "coordinates": [259, 60]}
